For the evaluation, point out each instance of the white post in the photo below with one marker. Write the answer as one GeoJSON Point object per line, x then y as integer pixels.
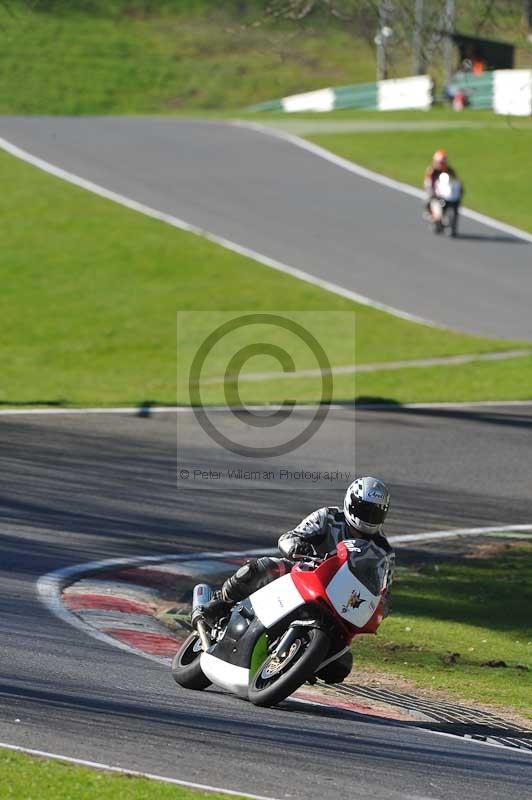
{"type": "Point", "coordinates": [448, 44]}
{"type": "Point", "coordinates": [381, 39]}
{"type": "Point", "coordinates": [417, 43]}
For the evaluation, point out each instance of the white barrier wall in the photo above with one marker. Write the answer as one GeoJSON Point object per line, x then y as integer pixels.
{"type": "Point", "coordinates": [512, 92]}
{"type": "Point", "coordinates": [393, 95]}
{"type": "Point", "coordinates": [321, 100]}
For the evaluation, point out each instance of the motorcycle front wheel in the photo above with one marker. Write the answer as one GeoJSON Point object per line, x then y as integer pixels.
{"type": "Point", "coordinates": [186, 668]}
{"type": "Point", "coordinates": [277, 678]}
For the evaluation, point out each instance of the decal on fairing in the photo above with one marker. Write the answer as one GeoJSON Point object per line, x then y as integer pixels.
{"type": "Point", "coordinates": [276, 600]}
{"type": "Point", "coordinates": [350, 597]}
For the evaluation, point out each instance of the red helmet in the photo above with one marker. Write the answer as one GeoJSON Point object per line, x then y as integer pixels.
{"type": "Point", "coordinates": [439, 159]}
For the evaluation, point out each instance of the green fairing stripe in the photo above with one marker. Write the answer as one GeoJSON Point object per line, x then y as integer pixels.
{"type": "Point", "coordinates": [259, 655]}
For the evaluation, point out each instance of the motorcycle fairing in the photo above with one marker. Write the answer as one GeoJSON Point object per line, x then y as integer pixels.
{"type": "Point", "coordinates": [228, 661]}
{"type": "Point", "coordinates": [229, 676]}
{"type": "Point", "coordinates": [238, 641]}
{"type": "Point", "coordinates": [275, 600]}
{"type": "Point", "coordinates": [351, 599]}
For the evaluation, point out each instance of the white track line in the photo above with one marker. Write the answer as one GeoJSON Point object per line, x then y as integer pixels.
{"type": "Point", "coordinates": [139, 411]}
{"type": "Point", "coordinates": [380, 366]}
{"type": "Point", "coordinates": [450, 534]}
{"type": "Point", "coordinates": [376, 177]}
{"type": "Point", "coordinates": [131, 772]}
{"type": "Point", "coordinates": [176, 222]}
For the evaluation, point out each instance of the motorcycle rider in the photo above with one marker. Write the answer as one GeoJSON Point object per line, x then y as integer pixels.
{"type": "Point", "coordinates": [365, 508]}
{"type": "Point", "coordinates": [440, 164]}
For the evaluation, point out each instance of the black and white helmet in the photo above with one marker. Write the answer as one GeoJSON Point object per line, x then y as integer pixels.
{"type": "Point", "coordinates": [366, 504]}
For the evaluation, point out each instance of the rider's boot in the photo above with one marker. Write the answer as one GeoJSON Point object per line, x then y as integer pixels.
{"type": "Point", "coordinates": [248, 578]}
{"type": "Point", "coordinates": [216, 609]}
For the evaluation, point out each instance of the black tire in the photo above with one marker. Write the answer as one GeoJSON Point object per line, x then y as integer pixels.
{"type": "Point", "coordinates": [186, 669]}
{"type": "Point", "coordinates": [454, 223]}
{"type": "Point", "coordinates": [437, 227]}
{"type": "Point", "coordinates": [265, 690]}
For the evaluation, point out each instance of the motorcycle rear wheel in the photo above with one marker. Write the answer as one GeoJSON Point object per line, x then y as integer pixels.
{"type": "Point", "coordinates": [276, 679]}
{"type": "Point", "coordinates": [186, 668]}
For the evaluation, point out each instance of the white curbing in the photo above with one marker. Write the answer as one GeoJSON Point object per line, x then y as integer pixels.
{"type": "Point", "coordinates": [116, 589]}
{"type": "Point", "coordinates": [51, 586]}
{"type": "Point", "coordinates": [106, 620]}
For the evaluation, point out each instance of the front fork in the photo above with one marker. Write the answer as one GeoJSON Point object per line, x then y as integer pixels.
{"type": "Point", "coordinates": [289, 637]}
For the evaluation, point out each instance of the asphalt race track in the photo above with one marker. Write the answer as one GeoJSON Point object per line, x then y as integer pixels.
{"type": "Point", "coordinates": [79, 488]}
{"type": "Point", "coordinates": [271, 196]}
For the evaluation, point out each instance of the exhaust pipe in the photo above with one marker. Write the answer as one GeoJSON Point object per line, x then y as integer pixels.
{"type": "Point", "coordinates": [202, 594]}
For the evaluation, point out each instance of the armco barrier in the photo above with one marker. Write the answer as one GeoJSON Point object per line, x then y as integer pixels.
{"type": "Point", "coordinates": [507, 91]}
{"type": "Point", "coordinates": [397, 94]}
{"type": "Point", "coordinates": [477, 88]}
{"type": "Point", "coordinates": [394, 95]}
{"type": "Point", "coordinates": [360, 95]}
{"type": "Point", "coordinates": [512, 92]}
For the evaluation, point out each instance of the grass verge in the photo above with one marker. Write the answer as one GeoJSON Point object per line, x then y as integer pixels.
{"type": "Point", "coordinates": [25, 776]}
{"type": "Point", "coordinates": [489, 160]}
{"type": "Point", "coordinates": [163, 56]}
{"type": "Point", "coordinates": [90, 292]}
{"type": "Point", "coordinates": [501, 380]}
{"type": "Point", "coordinates": [453, 622]}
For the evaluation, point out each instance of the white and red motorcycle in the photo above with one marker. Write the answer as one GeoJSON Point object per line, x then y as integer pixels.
{"type": "Point", "coordinates": [285, 633]}
{"type": "Point", "coordinates": [445, 203]}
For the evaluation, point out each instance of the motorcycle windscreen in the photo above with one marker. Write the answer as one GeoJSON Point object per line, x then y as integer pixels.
{"type": "Point", "coordinates": [368, 563]}
{"type": "Point", "coordinates": [351, 598]}
{"type": "Point", "coordinates": [275, 600]}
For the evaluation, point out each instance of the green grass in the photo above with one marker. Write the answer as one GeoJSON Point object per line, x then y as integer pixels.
{"type": "Point", "coordinates": [174, 57]}
{"type": "Point", "coordinates": [510, 379]}
{"type": "Point", "coordinates": [25, 777]}
{"type": "Point", "coordinates": [476, 609]}
{"type": "Point", "coordinates": [90, 293]}
{"type": "Point", "coordinates": [492, 162]}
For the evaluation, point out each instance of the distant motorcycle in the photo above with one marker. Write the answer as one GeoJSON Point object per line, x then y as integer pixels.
{"type": "Point", "coordinates": [285, 633]}
{"type": "Point", "coordinates": [444, 205]}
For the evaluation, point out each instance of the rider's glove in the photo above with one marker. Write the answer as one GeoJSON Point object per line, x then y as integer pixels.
{"type": "Point", "coordinates": [301, 548]}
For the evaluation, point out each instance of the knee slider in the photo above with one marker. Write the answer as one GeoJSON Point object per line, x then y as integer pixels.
{"type": "Point", "coordinates": [244, 573]}
{"type": "Point", "coordinates": [236, 587]}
